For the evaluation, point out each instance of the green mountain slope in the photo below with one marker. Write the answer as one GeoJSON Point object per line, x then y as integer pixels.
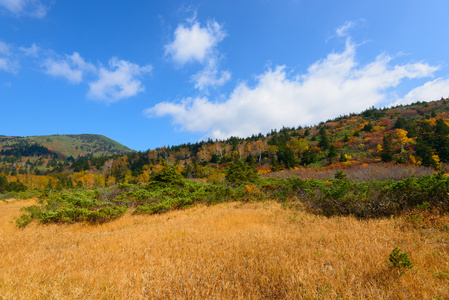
{"type": "Point", "coordinates": [61, 146]}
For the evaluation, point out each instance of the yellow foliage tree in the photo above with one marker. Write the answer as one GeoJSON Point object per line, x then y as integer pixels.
{"type": "Point", "coordinates": [298, 146]}
{"type": "Point", "coordinates": [402, 138]}
{"type": "Point", "coordinates": [414, 160]}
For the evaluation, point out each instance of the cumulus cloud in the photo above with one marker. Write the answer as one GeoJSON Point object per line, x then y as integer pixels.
{"type": "Point", "coordinates": [431, 90]}
{"type": "Point", "coordinates": [210, 76]}
{"type": "Point", "coordinates": [195, 43]}
{"type": "Point", "coordinates": [33, 8]}
{"type": "Point", "coordinates": [71, 67]}
{"type": "Point", "coordinates": [333, 86]}
{"type": "Point", "coordinates": [118, 81]}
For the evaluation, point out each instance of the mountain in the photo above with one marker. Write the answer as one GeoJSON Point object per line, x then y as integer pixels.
{"type": "Point", "coordinates": [63, 146]}
{"type": "Point", "coordinates": [416, 134]}
{"type": "Point", "coordinates": [38, 153]}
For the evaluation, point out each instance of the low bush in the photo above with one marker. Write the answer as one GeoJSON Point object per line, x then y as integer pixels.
{"type": "Point", "coordinates": [332, 197]}
{"type": "Point", "coordinates": [70, 207]}
{"type": "Point", "coordinates": [399, 261]}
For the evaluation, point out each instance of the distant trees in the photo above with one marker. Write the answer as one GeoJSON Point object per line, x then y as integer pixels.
{"type": "Point", "coordinates": [13, 186]}
{"type": "Point", "coordinates": [432, 143]}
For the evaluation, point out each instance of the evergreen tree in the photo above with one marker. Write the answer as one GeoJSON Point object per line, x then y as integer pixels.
{"type": "Point", "coordinates": [167, 175]}
{"type": "Point", "coordinates": [239, 172]}
{"type": "Point", "coordinates": [441, 140]}
{"type": "Point", "coordinates": [387, 148]}
{"type": "Point", "coordinates": [424, 151]}
{"type": "Point", "coordinates": [287, 156]}
{"type": "Point", "coordinates": [309, 156]}
{"type": "Point", "coordinates": [368, 127]}
{"type": "Point", "coordinates": [3, 183]}
{"type": "Point", "coordinates": [400, 123]}
{"type": "Point", "coordinates": [324, 142]}
{"type": "Point", "coordinates": [332, 153]}
{"type": "Point", "coordinates": [306, 132]}
{"type": "Point", "coordinates": [343, 158]}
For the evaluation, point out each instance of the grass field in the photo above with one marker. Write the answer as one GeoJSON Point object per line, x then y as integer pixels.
{"type": "Point", "coordinates": [227, 251]}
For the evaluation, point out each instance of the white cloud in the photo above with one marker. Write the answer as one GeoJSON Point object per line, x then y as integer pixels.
{"type": "Point", "coordinates": [194, 42]}
{"type": "Point", "coordinates": [333, 86]}
{"type": "Point", "coordinates": [110, 84]}
{"type": "Point", "coordinates": [7, 61]}
{"type": "Point", "coordinates": [72, 67]}
{"type": "Point", "coordinates": [31, 51]}
{"type": "Point", "coordinates": [118, 82]}
{"type": "Point", "coordinates": [210, 76]}
{"type": "Point", "coordinates": [342, 31]}
{"type": "Point", "coordinates": [5, 49]}
{"type": "Point", "coordinates": [4, 64]}
{"type": "Point", "coordinates": [34, 8]}
{"type": "Point", "coordinates": [431, 90]}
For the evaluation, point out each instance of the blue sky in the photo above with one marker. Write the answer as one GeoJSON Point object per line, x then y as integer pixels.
{"type": "Point", "coordinates": [155, 73]}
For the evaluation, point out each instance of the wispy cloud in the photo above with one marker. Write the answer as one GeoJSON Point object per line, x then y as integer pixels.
{"type": "Point", "coordinates": [118, 81]}
{"type": "Point", "coordinates": [196, 43]}
{"type": "Point", "coordinates": [5, 49]}
{"type": "Point", "coordinates": [342, 31]}
{"type": "Point", "coordinates": [210, 76]}
{"type": "Point", "coordinates": [32, 51]}
{"type": "Point", "coordinates": [335, 85]}
{"type": "Point", "coordinates": [8, 63]}
{"type": "Point", "coordinates": [33, 8]}
{"type": "Point", "coordinates": [71, 67]}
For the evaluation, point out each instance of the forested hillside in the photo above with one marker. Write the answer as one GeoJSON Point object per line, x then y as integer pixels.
{"type": "Point", "coordinates": [416, 134]}
{"type": "Point", "coordinates": [54, 153]}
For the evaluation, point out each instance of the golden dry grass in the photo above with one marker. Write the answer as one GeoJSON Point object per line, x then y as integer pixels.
{"type": "Point", "coordinates": [228, 251]}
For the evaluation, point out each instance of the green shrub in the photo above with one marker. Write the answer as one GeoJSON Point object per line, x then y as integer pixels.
{"type": "Point", "coordinates": [72, 215]}
{"type": "Point", "coordinates": [167, 175]}
{"type": "Point", "coordinates": [240, 172]}
{"type": "Point", "coordinates": [399, 261]}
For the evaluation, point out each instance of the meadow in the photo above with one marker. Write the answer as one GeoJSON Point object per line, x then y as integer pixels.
{"type": "Point", "coordinates": [234, 250]}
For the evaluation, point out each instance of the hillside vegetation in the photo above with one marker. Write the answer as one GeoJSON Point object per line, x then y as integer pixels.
{"type": "Point", "coordinates": [415, 135]}
{"type": "Point", "coordinates": [354, 208]}
{"type": "Point", "coordinates": [42, 154]}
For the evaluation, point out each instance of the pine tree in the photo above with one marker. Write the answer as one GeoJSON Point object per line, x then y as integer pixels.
{"type": "Point", "coordinates": [387, 149]}
{"type": "Point", "coordinates": [324, 142]}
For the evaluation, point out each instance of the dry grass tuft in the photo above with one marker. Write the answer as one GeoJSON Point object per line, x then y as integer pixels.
{"type": "Point", "coordinates": [358, 172]}
{"type": "Point", "coordinates": [251, 251]}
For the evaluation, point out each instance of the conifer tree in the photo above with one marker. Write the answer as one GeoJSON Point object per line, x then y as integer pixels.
{"type": "Point", "coordinates": [324, 142]}
{"type": "Point", "coordinates": [387, 149]}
